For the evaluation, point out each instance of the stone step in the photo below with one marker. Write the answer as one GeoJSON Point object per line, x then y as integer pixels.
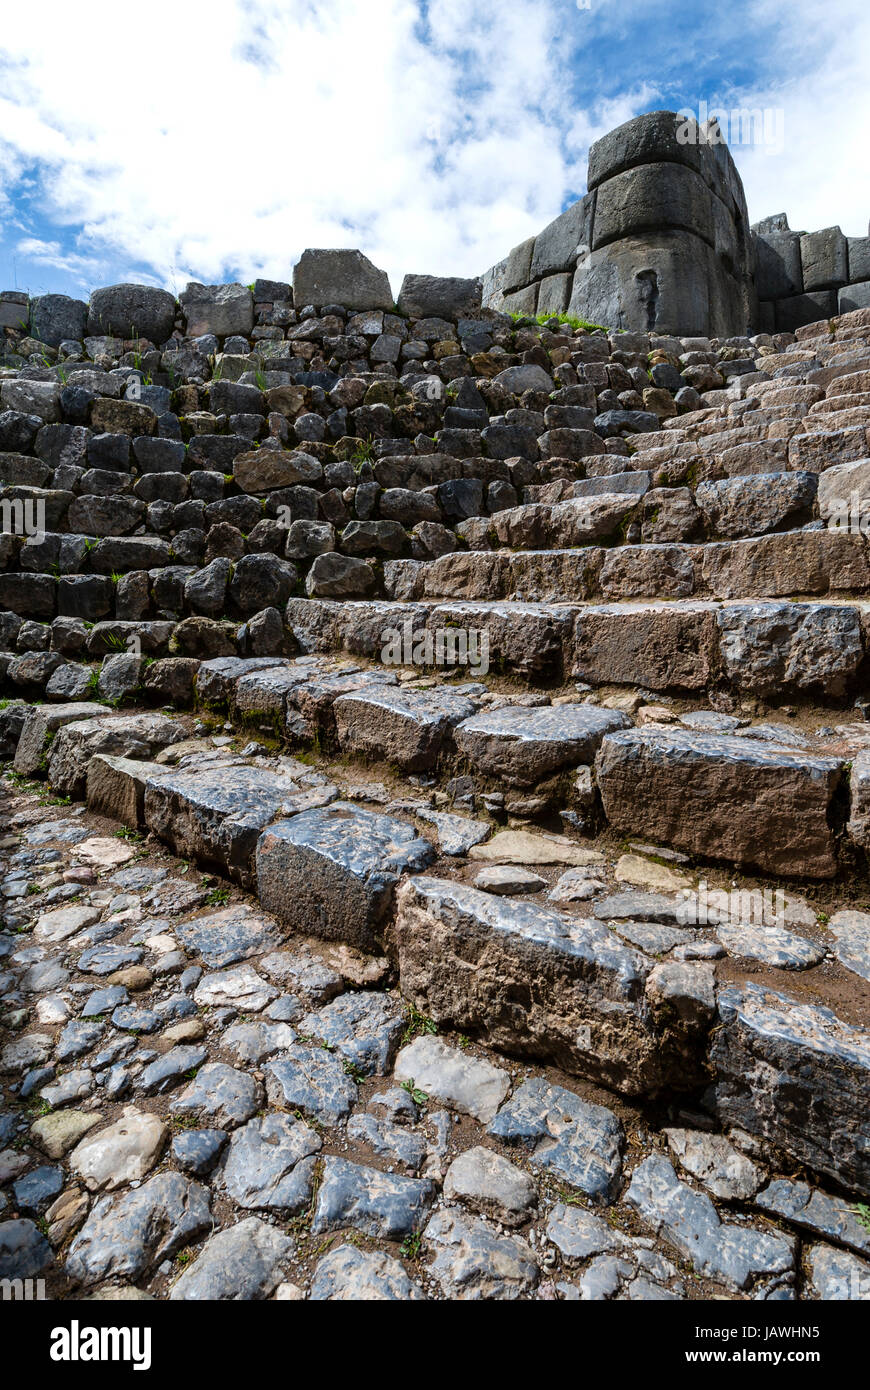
{"type": "Point", "coordinates": [816, 562]}
{"type": "Point", "coordinates": [565, 987]}
{"type": "Point", "coordinates": [760, 647]}
{"type": "Point", "coordinates": [744, 798]}
{"type": "Point", "coordinates": [364, 712]}
{"type": "Point", "coordinates": [734, 508]}
{"type": "Point", "coordinates": [752, 804]}
{"type": "Point", "coordinates": [559, 988]}
{"type": "Point", "coordinates": [754, 647]}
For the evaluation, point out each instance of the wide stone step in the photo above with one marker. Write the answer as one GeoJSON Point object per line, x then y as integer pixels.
{"type": "Point", "coordinates": [533, 980]}
{"type": "Point", "coordinates": [784, 564]}
{"type": "Point", "coordinates": [746, 802]}
{"type": "Point", "coordinates": [685, 645]}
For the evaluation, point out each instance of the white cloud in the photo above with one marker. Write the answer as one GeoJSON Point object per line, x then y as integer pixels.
{"type": "Point", "coordinates": [820, 177]}
{"type": "Point", "coordinates": [205, 141]}
{"type": "Point", "coordinates": [202, 143]}
{"type": "Point", "coordinates": [51, 253]}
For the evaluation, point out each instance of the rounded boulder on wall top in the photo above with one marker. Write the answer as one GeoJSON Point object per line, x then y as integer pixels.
{"type": "Point", "coordinates": [132, 311]}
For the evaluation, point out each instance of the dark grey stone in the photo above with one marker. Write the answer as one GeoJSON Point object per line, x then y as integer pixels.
{"type": "Point", "coordinates": [379, 1204]}
{"type": "Point", "coordinates": [270, 1164]}
{"type": "Point", "coordinates": [580, 1143]}
{"type": "Point", "coordinates": [346, 863]}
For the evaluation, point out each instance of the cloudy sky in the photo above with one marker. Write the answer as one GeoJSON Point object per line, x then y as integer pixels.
{"type": "Point", "coordinates": [175, 141]}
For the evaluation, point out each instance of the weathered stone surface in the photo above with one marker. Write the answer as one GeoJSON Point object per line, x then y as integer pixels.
{"type": "Point", "coordinates": [529, 377]}
{"type": "Point", "coordinates": [220, 1094]}
{"type": "Point", "coordinates": [347, 1274]}
{"type": "Point", "coordinates": [56, 317]}
{"type": "Point", "coordinates": [395, 1142]}
{"type": "Point", "coordinates": [43, 721]}
{"type": "Point", "coordinates": [489, 1184]}
{"type": "Point", "coordinates": [24, 1251]}
{"type": "Point", "coordinates": [852, 945]}
{"type": "Point", "coordinates": [580, 1143]}
{"type": "Point", "coordinates": [425, 296]}
{"type": "Point", "coordinates": [240, 1263]}
{"type": "Point", "coordinates": [531, 980]}
{"type": "Point", "coordinates": [723, 797]}
{"type": "Point", "coordinates": [456, 834]}
{"type": "Point", "coordinates": [523, 746]}
{"type": "Point", "coordinates": [116, 787]}
{"type": "Point", "coordinates": [137, 736]}
{"type": "Point", "coordinates": [468, 1084]}
{"type": "Point", "coordinates": [219, 309]}
{"type": "Point", "coordinates": [340, 277]}
{"type": "Point", "coordinates": [529, 847]}
{"type": "Point", "coordinates": [688, 1219]}
{"type": "Point", "coordinates": [507, 880]}
{"type": "Point", "coordinates": [197, 1151]}
{"type": "Point", "coordinates": [121, 1154]}
{"type": "Point", "coordinates": [270, 1164]}
{"type": "Point", "coordinates": [794, 1074]}
{"type": "Point", "coordinates": [344, 863]}
{"type": "Point", "coordinates": [473, 1262]}
{"type": "Point", "coordinates": [262, 470]}
{"type": "Point", "coordinates": [216, 815]}
{"type": "Point", "coordinates": [126, 1237]}
{"type": "Point", "coordinates": [251, 1042]}
{"type": "Point", "coordinates": [771, 647]}
{"type": "Point", "coordinates": [339, 576]}
{"type": "Point", "coordinates": [63, 922]}
{"type": "Point", "coordinates": [58, 1133]}
{"type": "Point", "coordinates": [131, 311]}
{"type": "Point", "coordinates": [226, 937]}
{"type": "Point", "coordinates": [836, 1275]}
{"type": "Point", "coordinates": [815, 1211]}
{"type": "Point", "coordinates": [238, 986]}
{"type": "Point", "coordinates": [578, 1234]}
{"type": "Point", "coordinates": [752, 505]}
{"type": "Point", "coordinates": [710, 1158]}
{"type": "Point", "coordinates": [31, 1050]}
{"type": "Point", "coordinates": [773, 945]}
{"type": "Point", "coordinates": [379, 1204]}
{"type": "Point", "coordinates": [661, 646]}
{"type": "Point", "coordinates": [365, 1028]}
{"type": "Point", "coordinates": [410, 728]}
{"type": "Point", "coordinates": [312, 1081]}
{"type": "Point", "coordinates": [170, 1069]}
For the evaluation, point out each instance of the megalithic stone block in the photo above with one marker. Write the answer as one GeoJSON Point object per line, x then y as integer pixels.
{"type": "Point", "coordinates": [729, 798]}
{"type": "Point", "coordinates": [130, 311]}
{"type": "Point", "coordinates": [340, 277]}
{"type": "Point", "coordinates": [659, 283]}
{"type": "Point", "coordinates": [332, 873]}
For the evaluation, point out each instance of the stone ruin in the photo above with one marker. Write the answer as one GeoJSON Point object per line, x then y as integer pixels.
{"type": "Point", "coordinates": [662, 243]}
{"type": "Point", "coordinates": [436, 792]}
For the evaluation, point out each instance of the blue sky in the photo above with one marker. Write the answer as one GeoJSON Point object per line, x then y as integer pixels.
{"type": "Point", "coordinates": [214, 142]}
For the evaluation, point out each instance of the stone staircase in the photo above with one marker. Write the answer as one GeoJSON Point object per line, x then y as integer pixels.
{"type": "Point", "coordinates": [399, 622]}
